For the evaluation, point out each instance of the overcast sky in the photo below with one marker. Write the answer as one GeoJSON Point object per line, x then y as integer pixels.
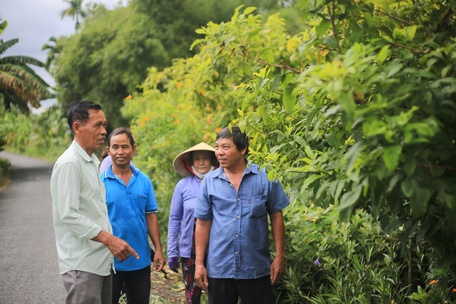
{"type": "Point", "coordinates": [33, 22]}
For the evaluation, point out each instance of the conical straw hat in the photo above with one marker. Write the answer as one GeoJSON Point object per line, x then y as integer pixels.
{"type": "Point", "coordinates": [184, 157]}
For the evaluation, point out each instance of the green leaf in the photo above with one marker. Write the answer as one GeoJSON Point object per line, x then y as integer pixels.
{"type": "Point", "coordinates": [399, 33]}
{"type": "Point", "coordinates": [409, 187]}
{"type": "Point", "coordinates": [383, 54]}
{"type": "Point", "coordinates": [309, 152]}
{"type": "Point", "coordinates": [289, 99]}
{"type": "Point", "coordinates": [350, 198]}
{"type": "Point", "coordinates": [393, 68]}
{"type": "Point", "coordinates": [410, 32]}
{"type": "Point", "coordinates": [419, 201]}
{"type": "Point", "coordinates": [391, 156]}
{"type": "Point", "coordinates": [249, 9]}
{"type": "Point", "coordinates": [320, 30]}
{"type": "Point", "coordinates": [374, 127]}
{"type": "Point", "coordinates": [409, 166]}
{"type": "Point", "coordinates": [310, 180]}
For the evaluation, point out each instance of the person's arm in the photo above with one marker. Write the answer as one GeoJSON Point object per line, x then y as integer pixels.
{"type": "Point", "coordinates": [154, 234]}
{"type": "Point", "coordinates": [278, 233]}
{"type": "Point", "coordinates": [119, 248]}
{"type": "Point", "coordinates": [176, 213]}
{"type": "Point", "coordinates": [202, 231]}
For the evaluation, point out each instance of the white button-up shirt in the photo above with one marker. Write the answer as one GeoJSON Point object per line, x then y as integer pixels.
{"type": "Point", "coordinates": [79, 212]}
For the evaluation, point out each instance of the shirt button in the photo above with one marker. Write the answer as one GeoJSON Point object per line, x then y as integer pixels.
{"type": "Point", "coordinates": [237, 216]}
{"type": "Point", "coordinates": [238, 199]}
{"type": "Point", "coordinates": [236, 252]}
{"type": "Point", "coordinates": [236, 235]}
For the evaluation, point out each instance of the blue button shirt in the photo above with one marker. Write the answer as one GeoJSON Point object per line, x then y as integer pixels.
{"type": "Point", "coordinates": [239, 238]}
{"type": "Point", "coordinates": [127, 208]}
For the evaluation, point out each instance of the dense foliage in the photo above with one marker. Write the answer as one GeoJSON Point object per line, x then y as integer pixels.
{"type": "Point", "coordinates": [44, 135]}
{"type": "Point", "coordinates": [356, 111]}
{"type": "Point", "coordinates": [108, 57]}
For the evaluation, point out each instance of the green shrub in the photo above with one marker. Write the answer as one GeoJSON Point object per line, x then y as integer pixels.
{"type": "Point", "coordinates": [42, 135]}
{"type": "Point", "coordinates": [5, 167]}
{"type": "Point", "coordinates": [334, 261]}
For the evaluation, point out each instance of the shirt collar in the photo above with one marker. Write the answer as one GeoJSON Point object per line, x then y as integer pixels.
{"type": "Point", "coordinates": [84, 155]}
{"type": "Point", "coordinates": [109, 174]}
{"type": "Point", "coordinates": [249, 169]}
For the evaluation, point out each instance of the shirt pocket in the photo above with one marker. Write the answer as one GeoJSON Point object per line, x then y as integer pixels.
{"type": "Point", "coordinates": [257, 207]}
{"type": "Point", "coordinates": [140, 204]}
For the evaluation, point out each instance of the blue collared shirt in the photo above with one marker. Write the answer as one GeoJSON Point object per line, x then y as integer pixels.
{"type": "Point", "coordinates": [239, 239]}
{"type": "Point", "coordinates": [127, 209]}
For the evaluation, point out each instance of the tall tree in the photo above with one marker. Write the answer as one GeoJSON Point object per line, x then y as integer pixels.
{"type": "Point", "coordinates": [75, 11]}
{"type": "Point", "coordinates": [19, 84]}
{"type": "Point", "coordinates": [108, 58]}
{"type": "Point", "coordinates": [53, 48]}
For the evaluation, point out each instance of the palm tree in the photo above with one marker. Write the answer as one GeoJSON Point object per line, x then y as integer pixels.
{"type": "Point", "coordinates": [19, 84]}
{"type": "Point", "coordinates": [75, 11]}
{"type": "Point", "coordinates": [53, 48]}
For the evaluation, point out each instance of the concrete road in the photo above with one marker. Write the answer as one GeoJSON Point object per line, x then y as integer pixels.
{"type": "Point", "coordinates": [28, 256]}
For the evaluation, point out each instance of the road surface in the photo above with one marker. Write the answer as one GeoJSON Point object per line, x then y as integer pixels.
{"type": "Point", "coordinates": [28, 256]}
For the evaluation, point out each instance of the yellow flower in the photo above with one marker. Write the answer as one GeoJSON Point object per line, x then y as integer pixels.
{"type": "Point", "coordinates": [218, 130]}
{"type": "Point", "coordinates": [128, 97]}
{"type": "Point", "coordinates": [174, 115]}
{"type": "Point", "coordinates": [176, 122]}
{"type": "Point", "coordinates": [179, 84]}
{"type": "Point", "coordinates": [433, 282]}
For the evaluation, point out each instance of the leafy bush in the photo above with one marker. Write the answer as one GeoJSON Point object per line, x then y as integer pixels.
{"type": "Point", "coordinates": [355, 112]}
{"type": "Point", "coordinates": [42, 135]}
{"type": "Point", "coordinates": [5, 167]}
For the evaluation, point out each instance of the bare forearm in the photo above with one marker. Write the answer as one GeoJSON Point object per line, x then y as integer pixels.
{"type": "Point", "coordinates": [202, 232]}
{"type": "Point", "coordinates": [278, 233]}
{"type": "Point", "coordinates": [154, 231]}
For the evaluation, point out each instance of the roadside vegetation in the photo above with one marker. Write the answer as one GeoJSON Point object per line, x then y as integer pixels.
{"type": "Point", "coordinates": [5, 167]}
{"type": "Point", "coordinates": [350, 104]}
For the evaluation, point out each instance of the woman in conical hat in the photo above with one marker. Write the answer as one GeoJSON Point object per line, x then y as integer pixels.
{"type": "Point", "coordinates": [193, 164]}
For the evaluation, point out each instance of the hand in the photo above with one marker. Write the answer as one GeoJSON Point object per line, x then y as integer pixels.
{"type": "Point", "coordinates": [159, 261]}
{"type": "Point", "coordinates": [173, 263]}
{"type": "Point", "coordinates": [277, 270]}
{"type": "Point", "coordinates": [120, 249]}
{"type": "Point", "coordinates": [201, 277]}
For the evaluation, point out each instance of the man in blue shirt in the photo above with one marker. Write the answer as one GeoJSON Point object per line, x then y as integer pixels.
{"type": "Point", "coordinates": [132, 209]}
{"type": "Point", "coordinates": [232, 242]}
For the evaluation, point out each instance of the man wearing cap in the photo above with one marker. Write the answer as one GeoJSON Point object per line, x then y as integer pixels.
{"type": "Point", "coordinates": [232, 239]}
{"type": "Point", "coordinates": [193, 164]}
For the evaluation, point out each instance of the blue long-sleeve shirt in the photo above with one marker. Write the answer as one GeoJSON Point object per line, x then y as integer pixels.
{"type": "Point", "coordinates": [181, 217]}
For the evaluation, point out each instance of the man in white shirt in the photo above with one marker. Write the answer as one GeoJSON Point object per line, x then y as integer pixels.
{"type": "Point", "coordinates": [85, 244]}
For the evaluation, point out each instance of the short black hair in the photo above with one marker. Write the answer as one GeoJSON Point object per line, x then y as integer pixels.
{"type": "Point", "coordinates": [79, 111]}
{"type": "Point", "coordinates": [119, 131]}
{"type": "Point", "coordinates": [240, 139]}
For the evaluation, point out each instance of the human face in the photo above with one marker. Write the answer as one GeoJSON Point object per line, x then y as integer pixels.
{"type": "Point", "coordinates": [121, 150]}
{"type": "Point", "coordinates": [91, 134]}
{"type": "Point", "coordinates": [202, 161]}
{"type": "Point", "coordinates": [228, 155]}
